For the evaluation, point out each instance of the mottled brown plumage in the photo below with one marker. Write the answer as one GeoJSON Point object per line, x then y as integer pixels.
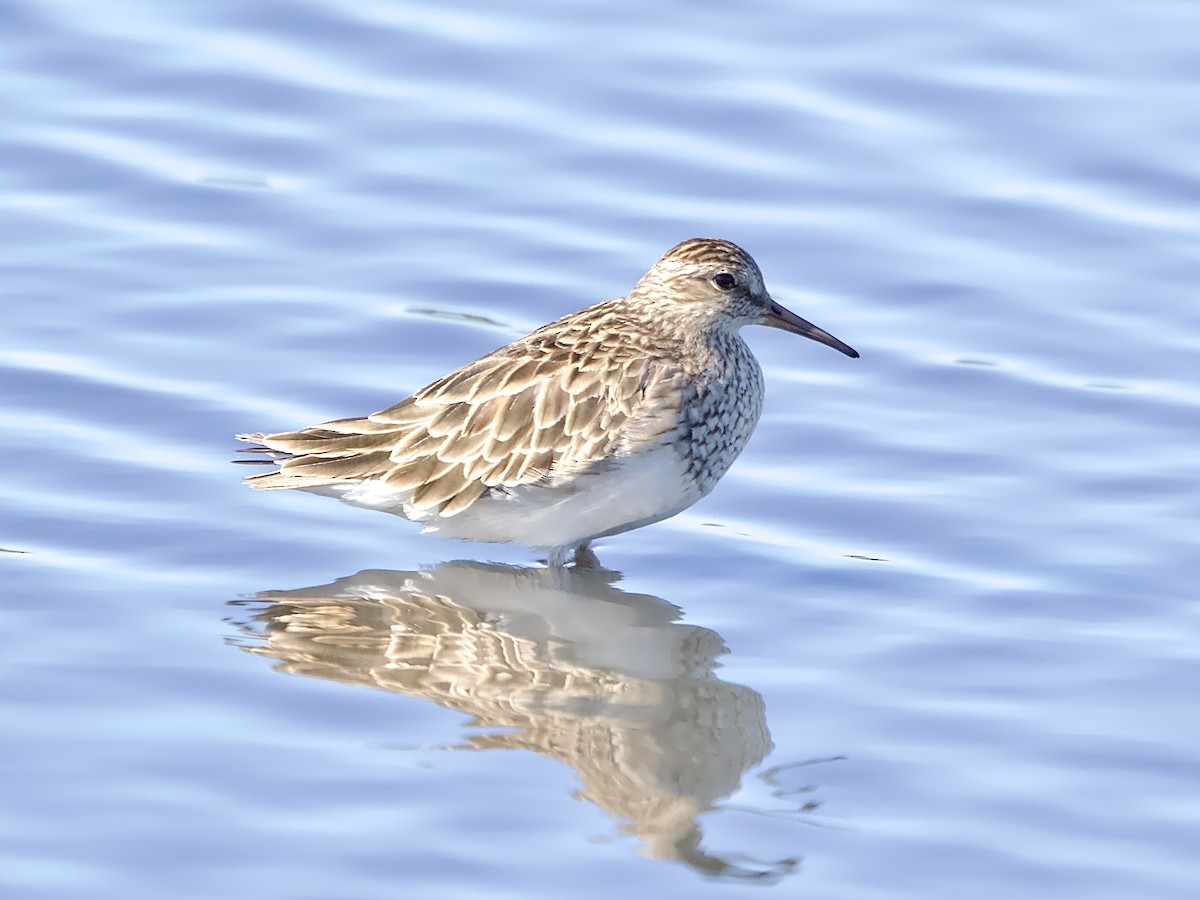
{"type": "Point", "coordinates": [550, 424]}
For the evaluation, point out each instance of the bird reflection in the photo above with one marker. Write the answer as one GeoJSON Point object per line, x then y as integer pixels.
{"type": "Point", "coordinates": [573, 668]}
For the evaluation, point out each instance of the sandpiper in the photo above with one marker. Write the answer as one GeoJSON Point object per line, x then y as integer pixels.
{"type": "Point", "coordinates": [614, 417]}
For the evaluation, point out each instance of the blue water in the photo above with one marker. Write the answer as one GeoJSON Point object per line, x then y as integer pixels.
{"type": "Point", "coordinates": [934, 636]}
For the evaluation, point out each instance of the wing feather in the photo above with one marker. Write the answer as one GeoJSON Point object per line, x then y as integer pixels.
{"type": "Point", "coordinates": [549, 405]}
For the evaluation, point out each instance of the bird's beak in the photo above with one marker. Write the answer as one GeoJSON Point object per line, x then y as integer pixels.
{"type": "Point", "coordinates": [786, 320]}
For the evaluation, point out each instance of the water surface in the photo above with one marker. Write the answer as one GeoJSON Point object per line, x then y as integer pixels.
{"type": "Point", "coordinates": [934, 635]}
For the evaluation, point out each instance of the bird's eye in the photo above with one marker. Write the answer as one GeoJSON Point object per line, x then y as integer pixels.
{"type": "Point", "coordinates": [725, 281]}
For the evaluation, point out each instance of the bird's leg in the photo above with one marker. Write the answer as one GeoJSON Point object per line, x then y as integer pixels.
{"type": "Point", "coordinates": [585, 558]}
{"type": "Point", "coordinates": [558, 557]}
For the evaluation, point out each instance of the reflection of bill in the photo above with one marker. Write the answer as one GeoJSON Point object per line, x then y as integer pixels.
{"type": "Point", "coordinates": [573, 668]}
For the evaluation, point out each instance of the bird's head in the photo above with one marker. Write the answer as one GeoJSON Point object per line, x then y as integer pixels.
{"type": "Point", "coordinates": [721, 282]}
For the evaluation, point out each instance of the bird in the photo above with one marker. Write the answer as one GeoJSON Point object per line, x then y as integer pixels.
{"type": "Point", "coordinates": [611, 418]}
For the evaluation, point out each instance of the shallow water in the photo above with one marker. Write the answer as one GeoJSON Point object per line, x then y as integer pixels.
{"type": "Point", "coordinates": [934, 635]}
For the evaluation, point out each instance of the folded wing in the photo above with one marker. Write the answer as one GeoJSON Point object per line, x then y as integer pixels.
{"type": "Point", "coordinates": [524, 414]}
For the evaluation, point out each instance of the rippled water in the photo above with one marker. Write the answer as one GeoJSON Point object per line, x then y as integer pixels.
{"type": "Point", "coordinates": [935, 635]}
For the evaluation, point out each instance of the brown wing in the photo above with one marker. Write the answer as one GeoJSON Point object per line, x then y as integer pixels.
{"type": "Point", "coordinates": [553, 403]}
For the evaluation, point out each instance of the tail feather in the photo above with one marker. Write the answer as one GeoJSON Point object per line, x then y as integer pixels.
{"type": "Point", "coordinates": [315, 457]}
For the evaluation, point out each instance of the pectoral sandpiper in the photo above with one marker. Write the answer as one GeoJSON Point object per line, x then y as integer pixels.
{"type": "Point", "coordinates": [614, 417]}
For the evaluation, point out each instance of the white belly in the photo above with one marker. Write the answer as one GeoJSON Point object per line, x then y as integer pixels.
{"type": "Point", "coordinates": [632, 491]}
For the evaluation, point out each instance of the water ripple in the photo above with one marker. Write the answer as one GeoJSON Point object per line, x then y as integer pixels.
{"type": "Point", "coordinates": [961, 566]}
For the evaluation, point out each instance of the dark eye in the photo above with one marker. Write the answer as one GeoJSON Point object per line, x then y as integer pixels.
{"type": "Point", "coordinates": [725, 281]}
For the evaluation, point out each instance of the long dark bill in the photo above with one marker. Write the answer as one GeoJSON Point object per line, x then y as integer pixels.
{"type": "Point", "coordinates": [786, 320]}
